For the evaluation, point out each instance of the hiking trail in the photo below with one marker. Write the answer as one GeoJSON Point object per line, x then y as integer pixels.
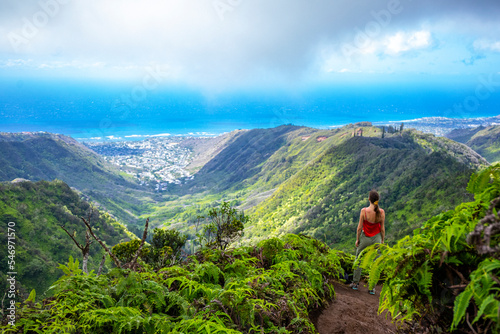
{"type": "Point", "coordinates": [353, 312]}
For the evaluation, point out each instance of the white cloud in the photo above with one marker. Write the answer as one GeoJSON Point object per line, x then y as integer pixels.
{"type": "Point", "coordinates": [17, 63]}
{"type": "Point", "coordinates": [487, 45]}
{"type": "Point", "coordinates": [407, 41]}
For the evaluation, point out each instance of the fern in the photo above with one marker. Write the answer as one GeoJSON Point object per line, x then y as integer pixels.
{"type": "Point", "coordinates": [424, 279]}
{"type": "Point", "coordinates": [439, 257]}
{"type": "Point", "coordinates": [367, 256]}
{"type": "Point", "coordinates": [376, 271]}
{"type": "Point", "coordinates": [208, 273]}
{"type": "Point", "coordinates": [461, 304]}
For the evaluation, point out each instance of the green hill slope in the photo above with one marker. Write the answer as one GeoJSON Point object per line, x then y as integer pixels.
{"type": "Point", "coordinates": [417, 175]}
{"type": "Point", "coordinates": [241, 159]}
{"type": "Point", "coordinates": [484, 140]}
{"type": "Point", "coordinates": [261, 159]}
{"type": "Point", "coordinates": [38, 210]}
{"type": "Point", "coordinates": [45, 156]}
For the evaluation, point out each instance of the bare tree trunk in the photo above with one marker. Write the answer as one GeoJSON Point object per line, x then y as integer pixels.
{"type": "Point", "coordinates": [5, 294]}
{"type": "Point", "coordinates": [84, 263]}
{"type": "Point", "coordinates": [86, 252]}
{"type": "Point", "coordinates": [101, 265]}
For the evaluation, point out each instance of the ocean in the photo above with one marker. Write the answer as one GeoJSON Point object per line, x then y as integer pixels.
{"type": "Point", "coordinates": [88, 110]}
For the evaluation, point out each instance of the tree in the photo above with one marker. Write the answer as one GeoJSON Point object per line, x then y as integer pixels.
{"type": "Point", "coordinates": [125, 251]}
{"type": "Point", "coordinates": [383, 131]}
{"type": "Point", "coordinates": [226, 226]}
{"type": "Point", "coordinates": [165, 245]}
{"type": "Point", "coordinates": [401, 127]}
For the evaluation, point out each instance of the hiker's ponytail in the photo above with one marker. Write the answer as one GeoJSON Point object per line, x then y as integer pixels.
{"type": "Point", "coordinates": [374, 197]}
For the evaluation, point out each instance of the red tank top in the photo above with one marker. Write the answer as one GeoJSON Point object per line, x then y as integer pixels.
{"type": "Point", "coordinates": [370, 229]}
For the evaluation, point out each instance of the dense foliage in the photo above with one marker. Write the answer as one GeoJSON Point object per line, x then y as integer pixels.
{"type": "Point", "coordinates": [165, 249]}
{"type": "Point", "coordinates": [269, 288]}
{"type": "Point", "coordinates": [38, 210]}
{"type": "Point", "coordinates": [447, 274]}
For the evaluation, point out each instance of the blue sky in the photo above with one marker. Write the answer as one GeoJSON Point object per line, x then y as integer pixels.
{"type": "Point", "coordinates": [220, 45]}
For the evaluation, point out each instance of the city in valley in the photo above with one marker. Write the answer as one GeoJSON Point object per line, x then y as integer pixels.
{"type": "Point", "coordinates": [153, 161]}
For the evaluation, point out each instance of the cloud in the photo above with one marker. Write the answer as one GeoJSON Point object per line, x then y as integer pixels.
{"type": "Point", "coordinates": [403, 42]}
{"type": "Point", "coordinates": [249, 41]}
{"type": "Point", "coordinates": [17, 63]}
{"type": "Point", "coordinates": [487, 45]}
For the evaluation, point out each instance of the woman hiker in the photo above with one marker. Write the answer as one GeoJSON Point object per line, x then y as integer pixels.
{"type": "Point", "coordinates": [371, 230]}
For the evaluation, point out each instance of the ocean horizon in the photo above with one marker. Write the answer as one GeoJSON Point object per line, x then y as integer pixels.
{"type": "Point", "coordinates": [86, 111]}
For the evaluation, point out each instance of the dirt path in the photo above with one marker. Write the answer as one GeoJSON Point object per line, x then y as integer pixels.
{"type": "Point", "coordinates": [353, 312]}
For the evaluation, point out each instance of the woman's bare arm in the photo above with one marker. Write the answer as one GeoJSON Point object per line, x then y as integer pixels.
{"type": "Point", "coordinates": [382, 225]}
{"type": "Point", "coordinates": [360, 227]}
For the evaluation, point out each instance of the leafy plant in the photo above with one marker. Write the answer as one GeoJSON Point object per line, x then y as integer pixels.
{"type": "Point", "coordinates": [225, 226]}
{"type": "Point", "coordinates": [165, 248]}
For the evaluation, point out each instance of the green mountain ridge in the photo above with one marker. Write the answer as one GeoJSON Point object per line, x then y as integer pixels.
{"type": "Point", "coordinates": [46, 156]}
{"type": "Point", "coordinates": [38, 209]}
{"type": "Point", "coordinates": [263, 158]}
{"type": "Point", "coordinates": [241, 159]}
{"type": "Point", "coordinates": [484, 140]}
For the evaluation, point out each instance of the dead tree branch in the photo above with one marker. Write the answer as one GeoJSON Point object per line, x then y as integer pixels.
{"type": "Point", "coordinates": [84, 248]}
{"type": "Point", "coordinates": [101, 265]}
{"type": "Point", "coordinates": [115, 259]}
{"type": "Point", "coordinates": [132, 263]}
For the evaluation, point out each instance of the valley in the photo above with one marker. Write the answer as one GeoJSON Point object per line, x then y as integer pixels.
{"type": "Point", "coordinates": [289, 181]}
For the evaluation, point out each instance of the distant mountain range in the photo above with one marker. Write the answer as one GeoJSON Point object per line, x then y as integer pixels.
{"type": "Point", "coordinates": [484, 140]}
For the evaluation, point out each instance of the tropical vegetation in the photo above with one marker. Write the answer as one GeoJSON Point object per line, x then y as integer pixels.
{"type": "Point", "coordinates": [267, 288]}
{"type": "Point", "coordinates": [446, 276]}
{"type": "Point", "coordinates": [39, 210]}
